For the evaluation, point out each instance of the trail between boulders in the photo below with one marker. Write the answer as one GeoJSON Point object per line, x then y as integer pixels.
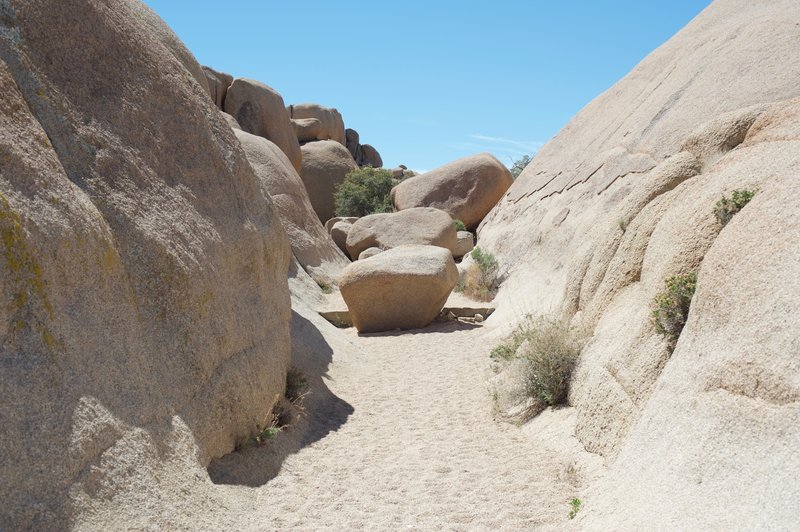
{"type": "Point", "coordinates": [420, 449]}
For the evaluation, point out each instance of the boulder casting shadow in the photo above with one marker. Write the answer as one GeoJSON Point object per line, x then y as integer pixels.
{"type": "Point", "coordinates": [324, 413]}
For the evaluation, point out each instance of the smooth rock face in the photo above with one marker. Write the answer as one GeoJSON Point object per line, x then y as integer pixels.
{"type": "Point", "coordinates": [423, 226]}
{"type": "Point", "coordinates": [369, 252]}
{"type": "Point", "coordinates": [330, 223]}
{"type": "Point", "coordinates": [144, 308]}
{"type": "Point", "coordinates": [464, 243]}
{"type": "Point", "coordinates": [260, 110]}
{"type": "Point", "coordinates": [311, 244]}
{"type": "Point", "coordinates": [339, 232]}
{"type": "Point", "coordinates": [231, 121]}
{"type": "Point", "coordinates": [218, 83]}
{"type": "Point", "coordinates": [325, 165]}
{"type": "Point", "coordinates": [307, 129]}
{"type": "Point", "coordinates": [401, 288]}
{"type": "Point", "coordinates": [620, 200]}
{"type": "Point", "coordinates": [467, 189]}
{"type": "Point", "coordinates": [370, 157]}
{"type": "Point", "coordinates": [331, 125]}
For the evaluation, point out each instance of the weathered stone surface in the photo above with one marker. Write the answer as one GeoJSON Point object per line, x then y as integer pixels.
{"type": "Point", "coordinates": [464, 243]}
{"type": "Point", "coordinates": [467, 189]}
{"type": "Point", "coordinates": [231, 121]}
{"type": "Point", "coordinates": [339, 232]}
{"type": "Point", "coordinates": [331, 125]}
{"type": "Point", "coordinates": [369, 252]}
{"type": "Point", "coordinates": [260, 110]}
{"type": "Point", "coordinates": [330, 223]}
{"type": "Point", "coordinates": [401, 288]}
{"type": "Point", "coordinates": [370, 157]}
{"type": "Point", "coordinates": [307, 129]}
{"type": "Point", "coordinates": [144, 309]}
{"type": "Point", "coordinates": [311, 244]}
{"type": "Point", "coordinates": [684, 430]}
{"type": "Point", "coordinates": [424, 226]}
{"type": "Point", "coordinates": [218, 83]}
{"type": "Point", "coordinates": [325, 165]}
{"type": "Point", "coordinates": [353, 143]}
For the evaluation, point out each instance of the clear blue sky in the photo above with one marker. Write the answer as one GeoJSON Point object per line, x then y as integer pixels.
{"type": "Point", "coordinates": [427, 82]}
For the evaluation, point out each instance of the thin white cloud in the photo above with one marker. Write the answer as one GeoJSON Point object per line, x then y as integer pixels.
{"type": "Point", "coordinates": [525, 147]}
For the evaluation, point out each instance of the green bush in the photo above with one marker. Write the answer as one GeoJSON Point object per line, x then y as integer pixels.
{"type": "Point", "coordinates": [726, 208]}
{"type": "Point", "coordinates": [364, 191]}
{"type": "Point", "coordinates": [575, 507]}
{"type": "Point", "coordinates": [671, 307]}
{"type": "Point", "coordinates": [481, 280]}
{"type": "Point", "coordinates": [459, 225]}
{"type": "Point", "coordinates": [548, 349]}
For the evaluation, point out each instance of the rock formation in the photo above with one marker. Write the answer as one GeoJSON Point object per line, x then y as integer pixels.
{"type": "Point", "coordinates": [218, 83]}
{"type": "Point", "coordinates": [129, 230]}
{"type": "Point", "coordinates": [327, 123]}
{"type": "Point", "coordinates": [311, 244]}
{"type": "Point", "coordinates": [401, 288]}
{"type": "Point", "coordinates": [363, 154]}
{"type": "Point", "coordinates": [622, 199]}
{"type": "Point", "coordinates": [325, 165]}
{"type": "Point", "coordinates": [422, 226]}
{"type": "Point", "coordinates": [467, 189]}
{"type": "Point", "coordinates": [260, 110]}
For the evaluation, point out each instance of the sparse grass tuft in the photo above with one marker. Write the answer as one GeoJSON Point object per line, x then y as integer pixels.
{"type": "Point", "coordinates": [296, 385]}
{"type": "Point", "coordinates": [671, 307]}
{"type": "Point", "coordinates": [459, 225]}
{"type": "Point", "coordinates": [726, 208]}
{"type": "Point", "coordinates": [481, 278]}
{"type": "Point", "coordinates": [548, 349]}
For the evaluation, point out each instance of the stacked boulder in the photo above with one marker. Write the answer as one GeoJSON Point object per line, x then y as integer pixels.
{"type": "Point", "coordinates": [314, 122]}
{"type": "Point", "coordinates": [421, 226]}
{"type": "Point", "coordinates": [363, 154]}
{"type": "Point", "coordinates": [467, 189]}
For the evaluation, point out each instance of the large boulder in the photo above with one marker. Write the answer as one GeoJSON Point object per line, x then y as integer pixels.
{"type": "Point", "coordinates": [705, 430]}
{"type": "Point", "coordinates": [330, 127]}
{"type": "Point", "coordinates": [260, 110]}
{"type": "Point", "coordinates": [218, 83]}
{"type": "Point", "coordinates": [144, 307]}
{"type": "Point", "coordinates": [370, 157]}
{"type": "Point", "coordinates": [307, 129]}
{"type": "Point", "coordinates": [339, 232]}
{"type": "Point", "coordinates": [465, 242]}
{"type": "Point", "coordinates": [325, 165]}
{"type": "Point", "coordinates": [330, 223]}
{"type": "Point", "coordinates": [311, 244]}
{"type": "Point", "coordinates": [423, 226]}
{"type": "Point", "coordinates": [467, 189]}
{"type": "Point", "coordinates": [401, 288]}
{"type": "Point", "coordinates": [353, 143]}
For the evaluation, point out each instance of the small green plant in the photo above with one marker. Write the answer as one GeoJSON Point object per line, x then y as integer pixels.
{"type": "Point", "coordinates": [623, 223]}
{"type": "Point", "coordinates": [481, 280]}
{"type": "Point", "coordinates": [365, 191]}
{"type": "Point", "coordinates": [726, 208]}
{"type": "Point", "coordinates": [324, 286]}
{"type": "Point", "coordinates": [459, 225]}
{"type": "Point", "coordinates": [519, 165]}
{"type": "Point", "coordinates": [575, 507]}
{"type": "Point", "coordinates": [670, 308]}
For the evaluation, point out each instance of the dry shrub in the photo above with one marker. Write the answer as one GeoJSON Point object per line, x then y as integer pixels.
{"type": "Point", "coordinates": [481, 278]}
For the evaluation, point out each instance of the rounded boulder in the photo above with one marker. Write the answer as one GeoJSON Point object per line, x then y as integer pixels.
{"type": "Point", "coordinates": [401, 288]}
{"type": "Point", "coordinates": [420, 226]}
{"type": "Point", "coordinates": [325, 165]}
{"type": "Point", "coordinates": [467, 189]}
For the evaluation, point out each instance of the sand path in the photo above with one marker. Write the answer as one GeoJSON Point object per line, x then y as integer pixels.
{"type": "Point", "coordinates": [419, 449]}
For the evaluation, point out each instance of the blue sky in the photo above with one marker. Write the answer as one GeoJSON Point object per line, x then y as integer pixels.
{"type": "Point", "coordinates": [427, 82]}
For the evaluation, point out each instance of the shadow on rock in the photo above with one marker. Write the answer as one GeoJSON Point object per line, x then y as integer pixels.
{"type": "Point", "coordinates": [321, 413]}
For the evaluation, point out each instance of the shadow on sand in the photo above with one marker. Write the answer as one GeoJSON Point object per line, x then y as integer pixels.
{"type": "Point", "coordinates": [324, 413]}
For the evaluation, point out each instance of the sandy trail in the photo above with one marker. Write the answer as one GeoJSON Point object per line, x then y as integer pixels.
{"type": "Point", "coordinates": [419, 449]}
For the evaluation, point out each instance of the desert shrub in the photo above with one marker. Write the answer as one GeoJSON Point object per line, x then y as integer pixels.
{"type": "Point", "coordinates": [726, 208]}
{"type": "Point", "coordinates": [481, 278]}
{"type": "Point", "coordinates": [548, 349]}
{"type": "Point", "coordinates": [365, 191]}
{"type": "Point", "coordinates": [519, 165]}
{"type": "Point", "coordinates": [459, 225]}
{"type": "Point", "coordinates": [670, 308]}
